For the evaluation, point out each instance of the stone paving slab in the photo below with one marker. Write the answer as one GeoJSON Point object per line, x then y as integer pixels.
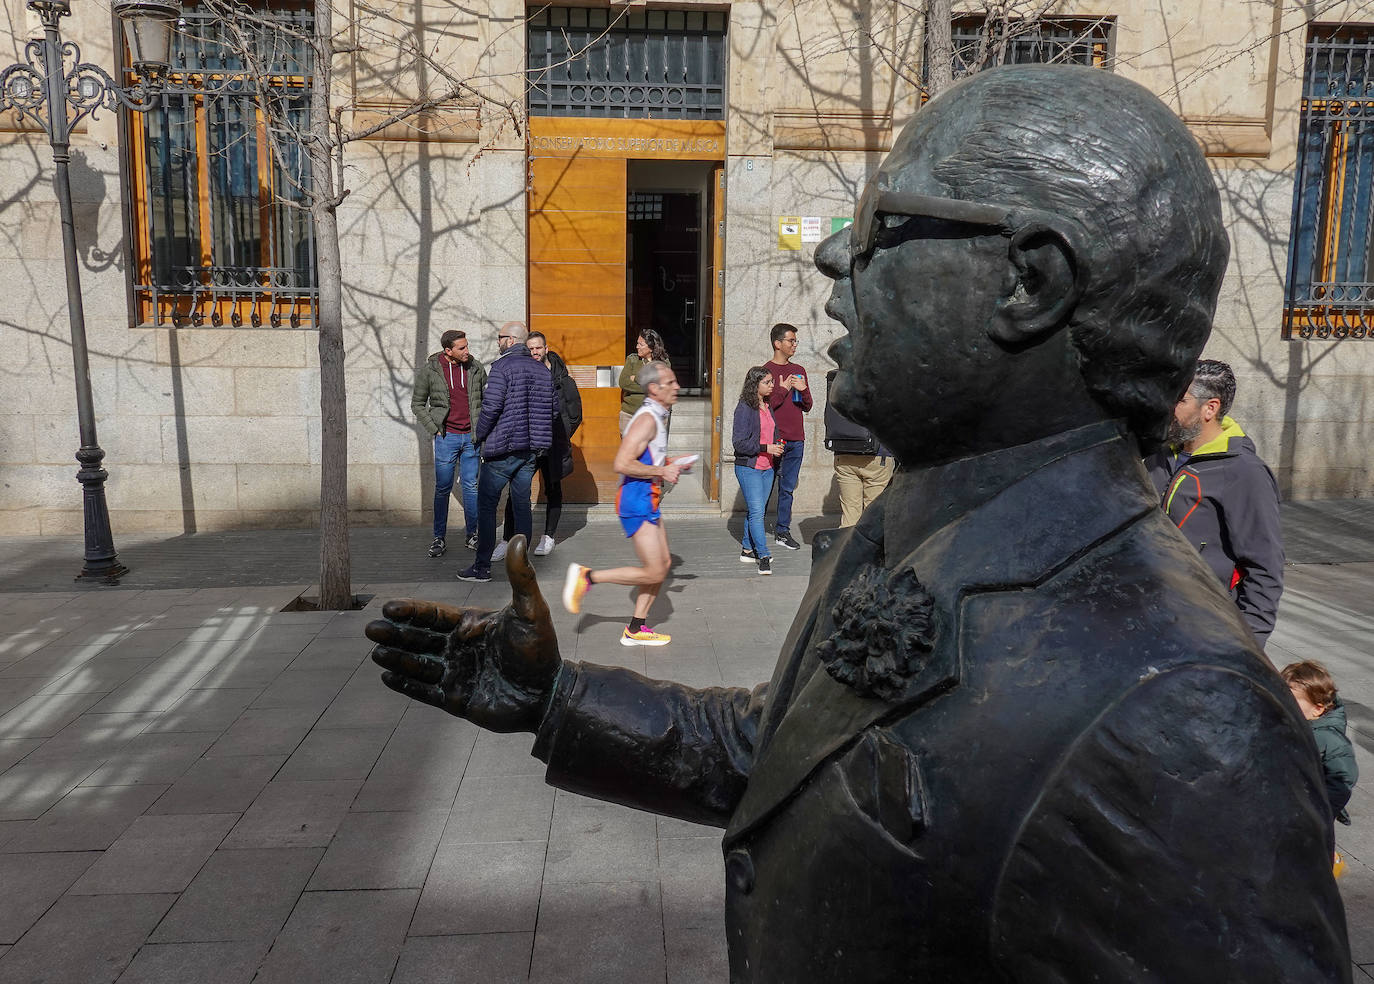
{"type": "Point", "coordinates": [197, 786]}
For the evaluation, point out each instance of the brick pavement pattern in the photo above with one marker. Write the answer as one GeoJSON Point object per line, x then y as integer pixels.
{"type": "Point", "coordinates": [198, 787]}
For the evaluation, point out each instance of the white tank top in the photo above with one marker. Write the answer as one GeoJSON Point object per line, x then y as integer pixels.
{"type": "Point", "coordinates": [658, 446]}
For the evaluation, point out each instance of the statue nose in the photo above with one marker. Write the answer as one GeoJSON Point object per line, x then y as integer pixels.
{"type": "Point", "coordinates": [832, 255]}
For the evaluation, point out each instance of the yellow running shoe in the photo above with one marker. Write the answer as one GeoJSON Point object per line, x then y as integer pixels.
{"type": "Point", "coordinates": [644, 637]}
{"type": "Point", "coordinates": [575, 587]}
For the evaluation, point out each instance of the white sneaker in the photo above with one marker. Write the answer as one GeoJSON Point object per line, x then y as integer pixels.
{"type": "Point", "coordinates": [500, 552]}
{"type": "Point", "coordinates": [544, 547]}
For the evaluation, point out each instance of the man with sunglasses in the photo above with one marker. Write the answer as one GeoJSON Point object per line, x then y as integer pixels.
{"type": "Point", "coordinates": [1017, 731]}
{"type": "Point", "coordinates": [513, 430]}
{"type": "Point", "coordinates": [791, 398]}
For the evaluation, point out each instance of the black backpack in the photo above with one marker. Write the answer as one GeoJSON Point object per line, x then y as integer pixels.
{"type": "Point", "coordinates": [842, 435]}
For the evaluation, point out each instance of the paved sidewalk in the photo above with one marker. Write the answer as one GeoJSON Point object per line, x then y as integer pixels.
{"type": "Point", "coordinates": [197, 787]}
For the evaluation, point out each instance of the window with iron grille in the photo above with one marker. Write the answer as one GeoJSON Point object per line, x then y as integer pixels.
{"type": "Point", "coordinates": [644, 206]}
{"type": "Point", "coordinates": [222, 228]}
{"type": "Point", "coordinates": [626, 64]}
{"type": "Point", "coordinates": [1330, 285]}
{"type": "Point", "coordinates": [981, 42]}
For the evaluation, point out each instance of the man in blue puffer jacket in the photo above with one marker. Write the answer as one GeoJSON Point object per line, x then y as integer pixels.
{"type": "Point", "coordinates": [515, 427]}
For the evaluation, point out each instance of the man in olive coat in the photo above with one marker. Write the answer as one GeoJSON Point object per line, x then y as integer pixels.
{"type": "Point", "coordinates": [447, 400]}
{"type": "Point", "coordinates": [1017, 731]}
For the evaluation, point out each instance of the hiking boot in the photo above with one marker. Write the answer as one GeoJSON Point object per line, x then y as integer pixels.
{"type": "Point", "coordinates": [437, 548]}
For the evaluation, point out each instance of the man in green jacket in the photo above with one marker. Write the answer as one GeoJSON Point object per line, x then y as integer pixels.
{"type": "Point", "coordinates": [447, 401]}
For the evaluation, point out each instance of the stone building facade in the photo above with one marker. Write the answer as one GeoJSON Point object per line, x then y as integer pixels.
{"type": "Point", "coordinates": [469, 216]}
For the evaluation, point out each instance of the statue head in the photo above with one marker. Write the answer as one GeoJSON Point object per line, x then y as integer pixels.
{"type": "Point", "coordinates": [1041, 249]}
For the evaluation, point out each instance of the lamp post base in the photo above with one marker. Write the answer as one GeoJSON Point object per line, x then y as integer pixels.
{"type": "Point", "coordinates": [101, 563]}
{"type": "Point", "coordinates": [109, 575]}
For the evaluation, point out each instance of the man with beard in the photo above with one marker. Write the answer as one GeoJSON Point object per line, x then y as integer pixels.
{"type": "Point", "coordinates": [1222, 496]}
{"type": "Point", "coordinates": [1017, 730]}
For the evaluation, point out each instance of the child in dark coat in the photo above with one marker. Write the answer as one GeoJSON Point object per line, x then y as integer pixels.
{"type": "Point", "coordinates": [1315, 693]}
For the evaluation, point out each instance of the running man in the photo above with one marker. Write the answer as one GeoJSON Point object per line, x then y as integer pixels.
{"type": "Point", "coordinates": [643, 465]}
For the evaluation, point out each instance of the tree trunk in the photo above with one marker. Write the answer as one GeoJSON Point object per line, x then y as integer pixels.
{"type": "Point", "coordinates": [939, 46]}
{"type": "Point", "coordinates": [336, 590]}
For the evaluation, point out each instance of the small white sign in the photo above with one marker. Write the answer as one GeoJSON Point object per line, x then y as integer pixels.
{"type": "Point", "coordinates": [811, 229]}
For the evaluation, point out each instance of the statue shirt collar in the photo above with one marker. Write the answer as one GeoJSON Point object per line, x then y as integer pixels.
{"type": "Point", "coordinates": [920, 502]}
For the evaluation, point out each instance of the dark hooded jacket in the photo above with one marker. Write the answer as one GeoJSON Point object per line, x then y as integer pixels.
{"type": "Point", "coordinates": [569, 414]}
{"type": "Point", "coordinates": [1339, 770]}
{"type": "Point", "coordinates": [1225, 500]}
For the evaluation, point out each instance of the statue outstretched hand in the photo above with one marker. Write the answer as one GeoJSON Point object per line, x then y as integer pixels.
{"type": "Point", "coordinates": [494, 668]}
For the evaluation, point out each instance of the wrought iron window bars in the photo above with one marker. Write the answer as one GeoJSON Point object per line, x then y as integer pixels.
{"type": "Point", "coordinates": [1330, 284]}
{"type": "Point", "coordinates": [660, 64]}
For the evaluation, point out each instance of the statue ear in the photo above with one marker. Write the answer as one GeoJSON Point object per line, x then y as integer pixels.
{"type": "Point", "coordinates": [1045, 284]}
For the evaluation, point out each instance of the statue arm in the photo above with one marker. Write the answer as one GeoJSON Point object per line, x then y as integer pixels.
{"type": "Point", "coordinates": [614, 735]}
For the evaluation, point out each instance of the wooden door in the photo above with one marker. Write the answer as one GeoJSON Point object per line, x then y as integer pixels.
{"type": "Point", "coordinates": [577, 297]}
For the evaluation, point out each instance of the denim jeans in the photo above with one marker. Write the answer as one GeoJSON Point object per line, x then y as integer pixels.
{"type": "Point", "coordinates": [516, 470]}
{"type": "Point", "coordinates": [787, 468]}
{"type": "Point", "coordinates": [553, 500]}
{"type": "Point", "coordinates": [755, 483]}
{"type": "Point", "coordinates": [455, 452]}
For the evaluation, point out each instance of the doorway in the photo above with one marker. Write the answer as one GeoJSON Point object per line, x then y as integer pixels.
{"type": "Point", "coordinates": [667, 255]}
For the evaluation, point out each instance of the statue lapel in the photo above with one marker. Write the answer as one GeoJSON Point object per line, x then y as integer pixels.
{"type": "Point", "coordinates": [1003, 544]}
{"type": "Point", "coordinates": [841, 550]}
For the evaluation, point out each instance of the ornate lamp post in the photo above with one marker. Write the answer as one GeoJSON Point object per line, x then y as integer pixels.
{"type": "Point", "coordinates": [56, 89]}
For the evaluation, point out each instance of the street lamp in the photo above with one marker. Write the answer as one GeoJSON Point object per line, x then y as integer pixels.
{"type": "Point", "coordinates": [51, 79]}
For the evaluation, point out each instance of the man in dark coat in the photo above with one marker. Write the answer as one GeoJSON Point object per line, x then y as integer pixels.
{"type": "Point", "coordinates": [558, 463]}
{"type": "Point", "coordinates": [1216, 489]}
{"type": "Point", "coordinates": [513, 430]}
{"type": "Point", "coordinates": [1017, 731]}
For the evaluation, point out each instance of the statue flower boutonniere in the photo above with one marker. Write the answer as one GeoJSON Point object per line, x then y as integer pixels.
{"type": "Point", "coordinates": [884, 633]}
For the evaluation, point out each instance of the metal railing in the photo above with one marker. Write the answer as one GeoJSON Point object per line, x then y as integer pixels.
{"type": "Point", "coordinates": [1330, 285]}
{"type": "Point", "coordinates": [980, 43]}
{"type": "Point", "coordinates": [225, 227]}
{"type": "Point", "coordinates": [661, 64]}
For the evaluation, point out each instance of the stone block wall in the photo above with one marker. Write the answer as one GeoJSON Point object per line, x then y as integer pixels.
{"type": "Point", "coordinates": [209, 428]}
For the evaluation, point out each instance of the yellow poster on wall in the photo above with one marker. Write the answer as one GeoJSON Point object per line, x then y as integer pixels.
{"type": "Point", "coordinates": [789, 232]}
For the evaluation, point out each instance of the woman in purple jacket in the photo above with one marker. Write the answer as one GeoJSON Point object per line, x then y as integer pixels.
{"type": "Point", "coordinates": [756, 445]}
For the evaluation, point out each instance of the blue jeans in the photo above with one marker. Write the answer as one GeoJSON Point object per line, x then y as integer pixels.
{"type": "Point", "coordinates": [756, 484]}
{"type": "Point", "coordinates": [455, 452]}
{"type": "Point", "coordinates": [516, 470]}
{"type": "Point", "coordinates": [788, 469]}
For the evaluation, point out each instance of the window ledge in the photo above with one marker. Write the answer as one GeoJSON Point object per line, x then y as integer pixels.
{"type": "Point", "coordinates": [1223, 136]}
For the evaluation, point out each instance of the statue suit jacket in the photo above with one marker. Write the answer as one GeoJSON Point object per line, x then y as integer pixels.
{"type": "Point", "coordinates": [1094, 777]}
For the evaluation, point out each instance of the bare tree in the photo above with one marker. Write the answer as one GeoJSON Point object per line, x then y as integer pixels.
{"type": "Point", "coordinates": [939, 46]}
{"type": "Point", "coordinates": [489, 103]}
{"type": "Point", "coordinates": [989, 35]}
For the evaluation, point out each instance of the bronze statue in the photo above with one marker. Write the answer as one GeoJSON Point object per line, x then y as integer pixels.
{"type": "Point", "coordinates": [1016, 732]}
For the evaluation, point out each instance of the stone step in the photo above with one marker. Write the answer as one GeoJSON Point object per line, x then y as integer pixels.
{"type": "Point", "coordinates": [689, 431]}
